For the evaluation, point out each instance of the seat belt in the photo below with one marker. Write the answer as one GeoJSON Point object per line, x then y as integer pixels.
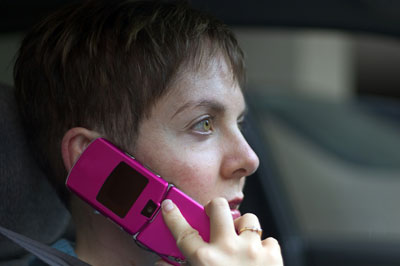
{"type": "Point", "coordinates": [47, 254]}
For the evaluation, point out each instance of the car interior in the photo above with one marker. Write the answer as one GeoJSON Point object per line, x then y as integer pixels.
{"type": "Point", "coordinates": [323, 95]}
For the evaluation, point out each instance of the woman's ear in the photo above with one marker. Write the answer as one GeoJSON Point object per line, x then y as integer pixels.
{"type": "Point", "coordinates": [74, 143]}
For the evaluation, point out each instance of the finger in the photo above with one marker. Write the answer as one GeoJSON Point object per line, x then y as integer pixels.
{"type": "Point", "coordinates": [272, 245]}
{"type": "Point", "coordinates": [187, 239]}
{"type": "Point", "coordinates": [221, 222]}
{"type": "Point", "coordinates": [246, 225]}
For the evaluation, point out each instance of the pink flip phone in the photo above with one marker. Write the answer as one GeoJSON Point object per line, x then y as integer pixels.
{"type": "Point", "coordinates": [128, 193]}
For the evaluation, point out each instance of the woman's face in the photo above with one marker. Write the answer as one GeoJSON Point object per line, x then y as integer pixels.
{"type": "Point", "coordinates": [193, 139]}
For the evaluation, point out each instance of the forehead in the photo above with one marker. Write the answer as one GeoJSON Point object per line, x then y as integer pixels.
{"type": "Point", "coordinates": [213, 82]}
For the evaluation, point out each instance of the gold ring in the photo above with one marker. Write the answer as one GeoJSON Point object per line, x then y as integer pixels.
{"type": "Point", "coordinates": [252, 229]}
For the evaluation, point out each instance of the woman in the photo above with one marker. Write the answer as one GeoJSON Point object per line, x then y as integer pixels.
{"type": "Point", "coordinates": [163, 82]}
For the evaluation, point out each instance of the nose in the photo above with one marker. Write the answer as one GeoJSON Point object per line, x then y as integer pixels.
{"type": "Point", "coordinates": [239, 159]}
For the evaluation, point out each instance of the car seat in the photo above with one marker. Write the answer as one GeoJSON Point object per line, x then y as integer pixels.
{"type": "Point", "coordinates": [28, 204]}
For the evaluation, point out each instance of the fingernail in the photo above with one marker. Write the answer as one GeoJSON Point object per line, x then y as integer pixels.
{"type": "Point", "coordinates": [167, 205]}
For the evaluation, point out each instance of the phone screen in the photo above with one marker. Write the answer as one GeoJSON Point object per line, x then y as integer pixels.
{"type": "Point", "coordinates": [121, 189]}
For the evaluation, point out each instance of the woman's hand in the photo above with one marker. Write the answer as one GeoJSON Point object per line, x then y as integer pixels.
{"type": "Point", "coordinates": [226, 247]}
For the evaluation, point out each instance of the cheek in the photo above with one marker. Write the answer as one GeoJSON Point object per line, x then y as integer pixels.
{"type": "Point", "coordinates": [197, 176]}
{"type": "Point", "coordinates": [197, 181]}
{"type": "Point", "coordinates": [194, 170]}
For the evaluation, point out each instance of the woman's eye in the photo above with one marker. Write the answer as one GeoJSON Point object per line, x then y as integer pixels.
{"type": "Point", "coordinates": [204, 126]}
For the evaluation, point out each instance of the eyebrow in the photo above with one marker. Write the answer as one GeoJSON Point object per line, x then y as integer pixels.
{"type": "Point", "coordinates": [215, 106]}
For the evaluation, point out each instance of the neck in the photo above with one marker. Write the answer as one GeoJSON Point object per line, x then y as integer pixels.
{"type": "Point", "coordinates": [100, 242]}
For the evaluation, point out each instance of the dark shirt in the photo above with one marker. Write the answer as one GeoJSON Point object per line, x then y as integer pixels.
{"type": "Point", "coordinates": [62, 245]}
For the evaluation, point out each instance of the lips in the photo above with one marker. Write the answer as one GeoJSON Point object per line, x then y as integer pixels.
{"type": "Point", "coordinates": [234, 206]}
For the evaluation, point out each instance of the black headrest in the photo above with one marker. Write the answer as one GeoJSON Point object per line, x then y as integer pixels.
{"type": "Point", "coordinates": [28, 204]}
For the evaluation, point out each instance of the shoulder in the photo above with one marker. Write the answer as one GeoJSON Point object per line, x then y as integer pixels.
{"type": "Point", "coordinates": [61, 245]}
{"type": "Point", "coordinates": [65, 246]}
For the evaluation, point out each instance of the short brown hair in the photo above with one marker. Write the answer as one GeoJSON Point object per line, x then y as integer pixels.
{"type": "Point", "coordinates": [102, 65]}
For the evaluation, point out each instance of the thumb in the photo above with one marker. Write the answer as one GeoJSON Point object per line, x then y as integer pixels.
{"type": "Point", "coordinates": [187, 239]}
